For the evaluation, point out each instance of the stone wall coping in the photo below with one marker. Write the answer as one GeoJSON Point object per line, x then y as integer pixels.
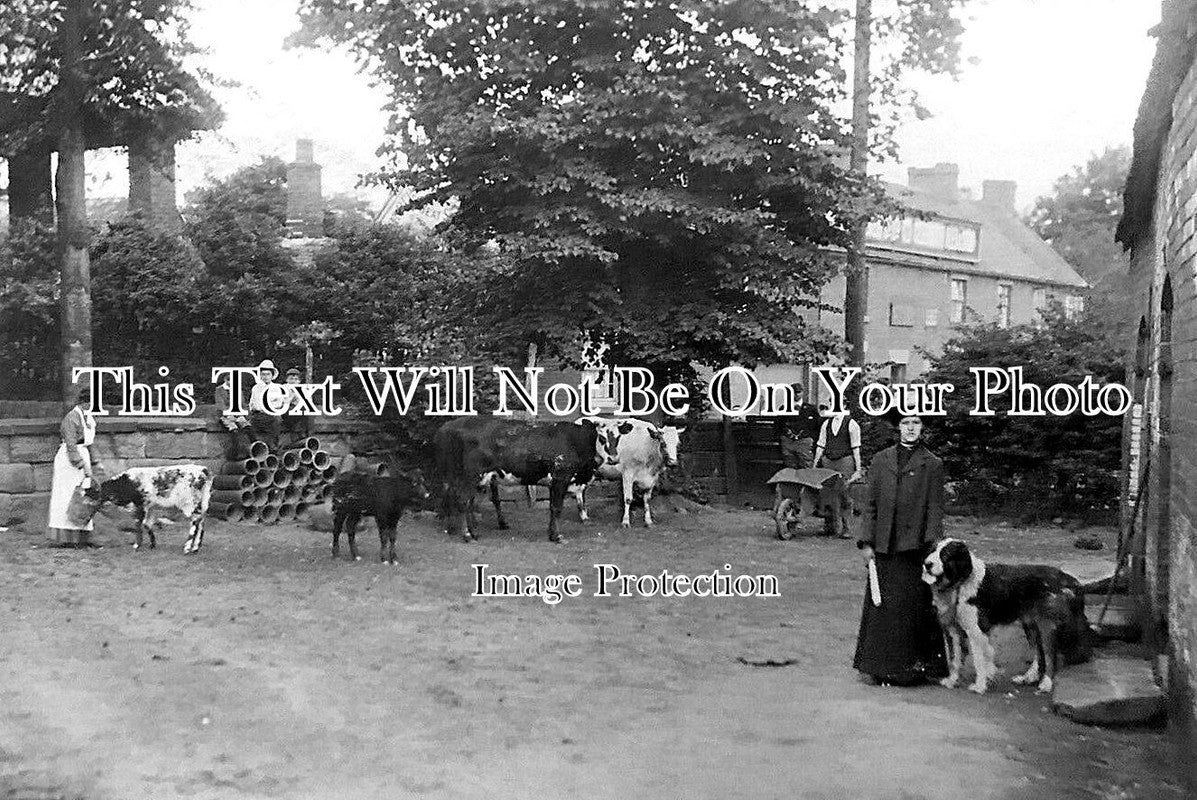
{"type": "Point", "coordinates": [112, 424]}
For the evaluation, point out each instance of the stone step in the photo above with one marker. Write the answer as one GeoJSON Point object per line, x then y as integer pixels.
{"type": "Point", "coordinates": [1109, 691]}
{"type": "Point", "coordinates": [1090, 567]}
{"type": "Point", "coordinates": [1120, 620]}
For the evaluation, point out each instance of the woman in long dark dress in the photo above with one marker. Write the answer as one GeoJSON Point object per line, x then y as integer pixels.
{"type": "Point", "coordinates": [900, 641]}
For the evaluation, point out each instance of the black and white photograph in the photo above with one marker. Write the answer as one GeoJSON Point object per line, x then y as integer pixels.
{"type": "Point", "coordinates": [598, 399]}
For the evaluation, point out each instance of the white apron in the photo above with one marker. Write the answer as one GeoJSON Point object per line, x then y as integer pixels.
{"type": "Point", "coordinates": [67, 476]}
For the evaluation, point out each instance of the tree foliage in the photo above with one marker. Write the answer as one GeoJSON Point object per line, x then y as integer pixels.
{"type": "Point", "coordinates": [77, 72]}
{"type": "Point", "coordinates": [1048, 464]}
{"type": "Point", "coordinates": [666, 177]}
{"type": "Point", "coordinates": [239, 223]}
{"type": "Point", "coordinates": [130, 64]}
{"type": "Point", "coordinates": [28, 312]}
{"type": "Point", "coordinates": [145, 291]}
{"type": "Point", "coordinates": [1078, 220]}
{"type": "Point", "coordinates": [1079, 217]}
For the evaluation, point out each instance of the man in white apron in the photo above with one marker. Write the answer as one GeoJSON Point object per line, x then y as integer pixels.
{"type": "Point", "coordinates": [72, 465]}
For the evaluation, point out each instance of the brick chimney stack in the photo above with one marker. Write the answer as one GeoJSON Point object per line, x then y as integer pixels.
{"type": "Point", "coordinates": [939, 181]}
{"type": "Point", "coordinates": [999, 194]}
{"type": "Point", "coordinates": [305, 204]}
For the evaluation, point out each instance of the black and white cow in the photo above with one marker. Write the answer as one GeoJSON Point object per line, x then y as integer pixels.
{"type": "Point", "coordinates": [474, 453]}
{"type": "Point", "coordinates": [160, 493]}
{"type": "Point", "coordinates": [638, 454]}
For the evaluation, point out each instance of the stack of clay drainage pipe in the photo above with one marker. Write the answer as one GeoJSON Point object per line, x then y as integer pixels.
{"type": "Point", "coordinates": [270, 488]}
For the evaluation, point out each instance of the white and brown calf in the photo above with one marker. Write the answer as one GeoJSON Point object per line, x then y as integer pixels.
{"type": "Point", "coordinates": [162, 493]}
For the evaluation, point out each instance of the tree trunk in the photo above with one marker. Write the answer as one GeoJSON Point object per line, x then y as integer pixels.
{"type": "Point", "coordinates": [70, 201]}
{"type": "Point", "coordinates": [856, 289]}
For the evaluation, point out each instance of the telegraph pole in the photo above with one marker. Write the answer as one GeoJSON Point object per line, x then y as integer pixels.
{"type": "Point", "coordinates": [856, 288]}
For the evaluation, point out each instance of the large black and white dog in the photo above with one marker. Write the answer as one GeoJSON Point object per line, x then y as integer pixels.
{"type": "Point", "coordinates": [972, 597]}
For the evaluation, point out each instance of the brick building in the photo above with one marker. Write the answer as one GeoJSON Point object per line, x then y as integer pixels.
{"type": "Point", "coordinates": [1160, 442]}
{"type": "Point", "coordinates": [968, 260]}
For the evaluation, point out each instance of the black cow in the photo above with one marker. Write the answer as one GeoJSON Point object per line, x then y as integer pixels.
{"type": "Point", "coordinates": [474, 453]}
{"type": "Point", "coordinates": [384, 497]}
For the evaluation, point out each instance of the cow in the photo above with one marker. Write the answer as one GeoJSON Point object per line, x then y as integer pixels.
{"type": "Point", "coordinates": [156, 492]}
{"type": "Point", "coordinates": [474, 453]}
{"type": "Point", "coordinates": [384, 497]}
{"type": "Point", "coordinates": [639, 453]}
{"type": "Point", "coordinates": [606, 446]}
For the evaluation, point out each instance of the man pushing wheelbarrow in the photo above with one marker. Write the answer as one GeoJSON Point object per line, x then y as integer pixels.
{"type": "Point", "coordinates": [814, 491]}
{"type": "Point", "coordinates": [826, 489]}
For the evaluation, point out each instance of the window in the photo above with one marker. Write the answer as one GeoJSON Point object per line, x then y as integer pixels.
{"type": "Point", "coordinates": [961, 239]}
{"type": "Point", "coordinates": [897, 373]}
{"type": "Point", "coordinates": [1073, 304]}
{"type": "Point", "coordinates": [1003, 305]}
{"type": "Point", "coordinates": [901, 315]}
{"type": "Point", "coordinates": [931, 320]}
{"type": "Point", "coordinates": [959, 299]}
{"type": "Point", "coordinates": [1039, 299]}
{"type": "Point", "coordinates": [931, 234]}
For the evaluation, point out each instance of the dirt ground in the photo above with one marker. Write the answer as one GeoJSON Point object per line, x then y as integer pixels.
{"type": "Point", "coordinates": [262, 668]}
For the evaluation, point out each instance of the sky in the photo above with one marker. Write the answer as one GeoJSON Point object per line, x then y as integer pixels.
{"type": "Point", "coordinates": [1052, 82]}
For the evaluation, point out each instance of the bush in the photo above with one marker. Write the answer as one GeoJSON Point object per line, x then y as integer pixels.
{"type": "Point", "coordinates": [145, 290]}
{"type": "Point", "coordinates": [29, 332]}
{"type": "Point", "coordinates": [1041, 466]}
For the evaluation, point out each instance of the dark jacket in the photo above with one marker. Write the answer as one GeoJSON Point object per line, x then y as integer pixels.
{"type": "Point", "coordinates": [913, 505]}
{"type": "Point", "coordinates": [802, 425]}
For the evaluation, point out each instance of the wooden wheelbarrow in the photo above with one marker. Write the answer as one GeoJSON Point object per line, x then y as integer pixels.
{"type": "Point", "coordinates": [799, 492]}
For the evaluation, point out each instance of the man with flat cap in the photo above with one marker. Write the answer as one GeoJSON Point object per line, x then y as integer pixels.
{"type": "Point", "coordinates": [798, 431]}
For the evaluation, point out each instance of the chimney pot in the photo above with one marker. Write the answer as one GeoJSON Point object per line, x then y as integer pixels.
{"type": "Point", "coordinates": [303, 151]}
{"type": "Point", "coordinates": [940, 180]}
{"type": "Point", "coordinates": [999, 193]}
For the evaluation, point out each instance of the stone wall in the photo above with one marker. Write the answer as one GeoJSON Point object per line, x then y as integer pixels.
{"type": "Point", "coordinates": [28, 446]}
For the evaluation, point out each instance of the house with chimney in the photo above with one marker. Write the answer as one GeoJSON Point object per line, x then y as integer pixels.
{"type": "Point", "coordinates": [953, 259]}
{"type": "Point", "coordinates": [305, 199]}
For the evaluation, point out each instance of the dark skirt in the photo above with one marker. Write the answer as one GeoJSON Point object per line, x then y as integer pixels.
{"type": "Point", "coordinates": [900, 640]}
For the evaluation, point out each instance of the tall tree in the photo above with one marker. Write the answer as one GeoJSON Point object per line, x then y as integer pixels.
{"type": "Point", "coordinates": [1078, 220]}
{"type": "Point", "coordinates": [1079, 217]}
{"type": "Point", "coordinates": [74, 69]}
{"type": "Point", "coordinates": [666, 177]}
{"type": "Point", "coordinates": [663, 177]}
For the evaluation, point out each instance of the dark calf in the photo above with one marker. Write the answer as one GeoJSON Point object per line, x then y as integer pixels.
{"type": "Point", "coordinates": [383, 497]}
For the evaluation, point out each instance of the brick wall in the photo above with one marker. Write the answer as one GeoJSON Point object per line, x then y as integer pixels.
{"type": "Point", "coordinates": [305, 203]}
{"type": "Point", "coordinates": [1165, 266]}
{"type": "Point", "coordinates": [922, 301]}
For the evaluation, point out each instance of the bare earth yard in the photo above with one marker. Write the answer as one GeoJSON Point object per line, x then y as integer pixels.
{"type": "Point", "coordinates": [262, 668]}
